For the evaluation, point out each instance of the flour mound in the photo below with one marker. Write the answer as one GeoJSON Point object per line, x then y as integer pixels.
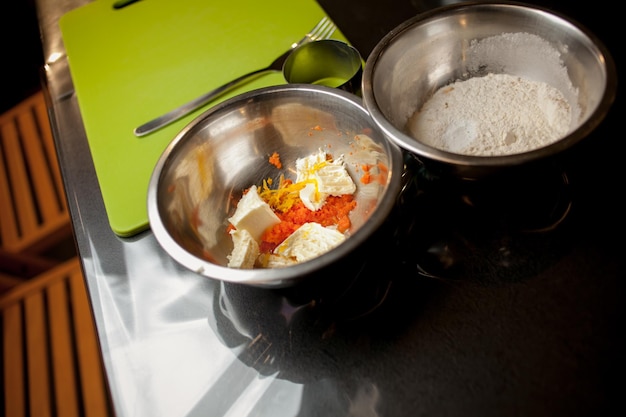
{"type": "Point", "coordinates": [497, 114]}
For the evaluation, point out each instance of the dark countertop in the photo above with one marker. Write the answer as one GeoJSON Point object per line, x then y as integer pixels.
{"type": "Point", "coordinates": [513, 305]}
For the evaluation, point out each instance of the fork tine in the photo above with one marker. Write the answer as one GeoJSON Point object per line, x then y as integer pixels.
{"type": "Point", "coordinates": [309, 36]}
{"type": "Point", "coordinates": [322, 23]}
{"type": "Point", "coordinates": [328, 32]}
{"type": "Point", "coordinates": [323, 31]}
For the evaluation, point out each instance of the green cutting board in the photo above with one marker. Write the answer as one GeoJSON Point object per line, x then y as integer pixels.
{"type": "Point", "coordinates": [133, 64]}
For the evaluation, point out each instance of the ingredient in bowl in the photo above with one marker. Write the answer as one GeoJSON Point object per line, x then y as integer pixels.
{"type": "Point", "coordinates": [334, 213]}
{"type": "Point", "coordinates": [321, 178]}
{"type": "Point", "coordinates": [246, 249]}
{"type": "Point", "coordinates": [275, 160]}
{"type": "Point", "coordinates": [253, 214]}
{"type": "Point", "coordinates": [297, 221]}
{"type": "Point", "coordinates": [308, 241]}
{"type": "Point", "coordinates": [497, 114]}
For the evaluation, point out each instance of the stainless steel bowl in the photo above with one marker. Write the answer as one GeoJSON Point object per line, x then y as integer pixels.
{"type": "Point", "coordinates": [205, 169]}
{"type": "Point", "coordinates": [433, 49]}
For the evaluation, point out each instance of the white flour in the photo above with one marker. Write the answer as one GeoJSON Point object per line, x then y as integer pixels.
{"type": "Point", "coordinates": [500, 114]}
{"type": "Point", "coordinates": [497, 114]}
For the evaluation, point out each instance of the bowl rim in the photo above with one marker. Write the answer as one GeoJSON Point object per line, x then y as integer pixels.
{"type": "Point", "coordinates": [406, 142]}
{"type": "Point", "coordinates": [270, 277]}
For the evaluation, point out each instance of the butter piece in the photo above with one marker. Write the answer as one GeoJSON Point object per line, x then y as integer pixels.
{"type": "Point", "coordinates": [245, 251]}
{"type": "Point", "coordinates": [309, 241]}
{"type": "Point", "coordinates": [253, 214]}
{"type": "Point", "coordinates": [274, 260]}
{"type": "Point", "coordinates": [323, 178]}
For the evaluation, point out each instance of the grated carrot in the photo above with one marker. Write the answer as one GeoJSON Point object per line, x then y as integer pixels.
{"type": "Point", "coordinates": [335, 211]}
{"type": "Point", "coordinates": [275, 160]}
{"type": "Point", "coordinates": [369, 177]}
{"type": "Point", "coordinates": [284, 200]}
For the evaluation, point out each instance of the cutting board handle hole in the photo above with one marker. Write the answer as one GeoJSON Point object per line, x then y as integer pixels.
{"type": "Point", "coordinates": [120, 4]}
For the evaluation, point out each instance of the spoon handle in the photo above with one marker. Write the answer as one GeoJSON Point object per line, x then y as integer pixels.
{"type": "Point", "coordinates": [195, 104]}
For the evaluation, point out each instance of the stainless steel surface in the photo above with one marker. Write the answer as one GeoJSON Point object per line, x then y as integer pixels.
{"type": "Point", "coordinates": [518, 322]}
{"type": "Point", "coordinates": [434, 49]}
{"type": "Point", "coordinates": [189, 206]}
{"type": "Point", "coordinates": [323, 30]}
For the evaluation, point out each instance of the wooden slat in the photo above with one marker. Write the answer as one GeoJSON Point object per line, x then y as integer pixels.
{"type": "Point", "coordinates": [25, 211]}
{"type": "Point", "coordinates": [13, 348]}
{"type": "Point", "coordinates": [43, 120]}
{"type": "Point", "coordinates": [35, 285]}
{"type": "Point", "coordinates": [62, 372]}
{"type": "Point", "coordinates": [88, 350]}
{"type": "Point", "coordinates": [62, 347]}
{"type": "Point", "coordinates": [9, 231]}
{"type": "Point", "coordinates": [40, 171]}
{"type": "Point", "coordinates": [9, 281]}
{"type": "Point", "coordinates": [38, 367]}
{"type": "Point", "coordinates": [21, 265]}
{"type": "Point", "coordinates": [33, 209]}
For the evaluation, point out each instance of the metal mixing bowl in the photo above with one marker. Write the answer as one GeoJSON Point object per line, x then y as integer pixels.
{"type": "Point", "coordinates": [203, 172]}
{"type": "Point", "coordinates": [434, 49]}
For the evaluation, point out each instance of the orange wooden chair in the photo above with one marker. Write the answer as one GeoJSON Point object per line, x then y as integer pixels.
{"type": "Point", "coordinates": [33, 211]}
{"type": "Point", "coordinates": [51, 358]}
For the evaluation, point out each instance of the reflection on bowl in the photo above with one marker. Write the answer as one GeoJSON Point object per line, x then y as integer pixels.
{"type": "Point", "coordinates": [477, 42]}
{"type": "Point", "coordinates": [205, 170]}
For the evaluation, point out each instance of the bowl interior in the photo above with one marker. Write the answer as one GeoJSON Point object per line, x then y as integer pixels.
{"type": "Point", "coordinates": [204, 171]}
{"type": "Point", "coordinates": [439, 47]}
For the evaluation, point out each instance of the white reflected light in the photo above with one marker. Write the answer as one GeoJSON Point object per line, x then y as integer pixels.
{"type": "Point", "coordinates": [54, 57]}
